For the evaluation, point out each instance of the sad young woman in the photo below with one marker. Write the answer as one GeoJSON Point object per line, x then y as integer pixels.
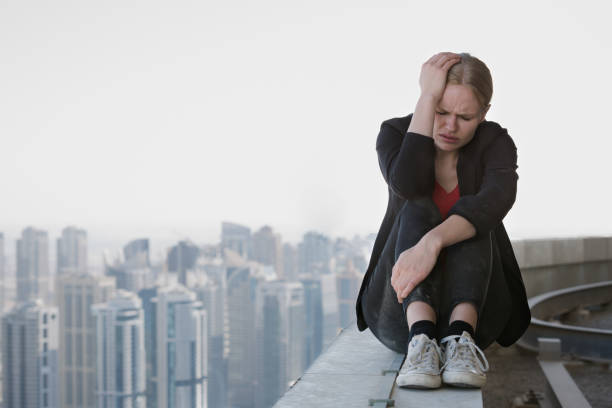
{"type": "Point", "coordinates": [443, 282]}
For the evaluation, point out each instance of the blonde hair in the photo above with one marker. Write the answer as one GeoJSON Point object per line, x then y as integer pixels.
{"type": "Point", "coordinates": [474, 73]}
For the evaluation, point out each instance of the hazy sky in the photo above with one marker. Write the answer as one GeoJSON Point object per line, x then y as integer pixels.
{"type": "Point", "coordinates": [161, 119]}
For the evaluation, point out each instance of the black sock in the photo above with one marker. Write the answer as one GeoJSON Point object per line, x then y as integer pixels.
{"type": "Point", "coordinates": [422, 326]}
{"type": "Point", "coordinates": [458, 327]}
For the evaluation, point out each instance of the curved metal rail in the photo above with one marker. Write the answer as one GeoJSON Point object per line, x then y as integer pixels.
{"type": "Point", "coordinates": [583, 342]}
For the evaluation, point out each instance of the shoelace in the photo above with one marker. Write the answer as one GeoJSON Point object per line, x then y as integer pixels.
{"type": "Point", "coordinates": [472, 347]}
{"type": "Point", "coordinates": [424, 347]}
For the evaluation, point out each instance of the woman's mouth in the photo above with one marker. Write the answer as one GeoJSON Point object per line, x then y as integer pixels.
{"type": "Point", "coordinates": [448, 138]}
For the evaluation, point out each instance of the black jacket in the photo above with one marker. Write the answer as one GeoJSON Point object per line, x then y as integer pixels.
{"type": "Point", "coordinates": [486, 172]}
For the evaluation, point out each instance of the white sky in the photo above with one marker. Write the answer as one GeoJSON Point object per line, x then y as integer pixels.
{"type": "Point", "coordinates": [161, 119]}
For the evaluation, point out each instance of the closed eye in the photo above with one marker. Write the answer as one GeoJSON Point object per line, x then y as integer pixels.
{"type": "Point", "coordinates": [462, 117]}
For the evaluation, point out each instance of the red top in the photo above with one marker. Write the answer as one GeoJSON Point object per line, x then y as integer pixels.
{"type": "Point", "coordinates": [445, 200]}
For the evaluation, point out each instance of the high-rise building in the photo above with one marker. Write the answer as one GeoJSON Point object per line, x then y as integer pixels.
{"type": "Point", "coordinates": [120, 352]}
{"type": "Point", "coordinates": [314, 254]}
{"type": "Point", "coordinates": [150, 328]}
{"type": "Point", "coordinates": [72, 251]}
{"type": "Point", "coordinates": [136, 253]}
{"type": "Point", "coordinates": [329, 296]}
{"type": "Point", "coordinates": [313, 312]}
{"type": "Point", "coordinates": [181, 348]}
{"type": "Point", "coordinates": [135, 272]}
{"type": "Point", "coordinates": [77, 358]}
{"type": "Point", "coordinates": [241, 285]}
{"type": "Point", "coordinates": [29, 355]}
{"type": "Point", "coordinates": [182, 257]}
{"type": "Point", "coordinates": [279, 338]}
{"type": "Point", "coordinates": [212, 295]}
{"type": "Point", "coordinates": [290, 262]}
{"type": "Point", "coordinates": [348, 282]}
{"type": "Point", "coordinates": [237, 238]}
{"type": "Point", "coordinates": [33, 265]}
{"type": "Point", "coordinates": [267, 249]}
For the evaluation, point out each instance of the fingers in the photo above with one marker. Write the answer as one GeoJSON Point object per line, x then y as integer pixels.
{"type": "Point", "coordinates": [441, 59]}
{"type": "Point", "coordinates": [450, 62]}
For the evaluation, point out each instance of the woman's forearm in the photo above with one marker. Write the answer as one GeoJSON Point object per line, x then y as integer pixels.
{"type": "Point", "coordinates": [423, 116]}
{"type": "Point", "coordinates": [454, 229]}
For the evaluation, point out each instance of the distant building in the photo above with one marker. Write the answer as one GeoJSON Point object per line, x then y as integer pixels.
{"type": "Point", "coordinates": [135, 272]}
{"type": "Point", "coordinates": [331, 320]}
{"type": "Point", "coordinates": [241, 286]}
{"type": "Point", "coordinates": [267, 249]}
{"type": "Point", "coordinates": [29, 355]}
{"type": "Point", "coordinates": [33, 266]}
{"type": "Point", "coordinates": [150, 343]}
{"type": "Point", "coordinates": [313, 312]}
{"type": "Point", "coordinates": [72, 251]}
{"type": "Point", "coordinates": [348, 283]}
{"type": "Point", "coordinates": [237, 238]}
{"type": "Point", "coordinates": [280, 339]}
{"type": "Point", "coordinates": [77, 363]}
{"type": "Point", "coordinates": [136, 253]}
{"type": "Point", "coordinates": [181, 348]}
{"type": "Point", "coordinates": [212, 296]}
{"type": "Point", "coordinates": [182, 258]}
{"type": "Point", "coordinates": [120, 352]}
{"type": "Point", "coordinates": [290, 262]}
{"type": "Point", "coordinates": [314, 254]}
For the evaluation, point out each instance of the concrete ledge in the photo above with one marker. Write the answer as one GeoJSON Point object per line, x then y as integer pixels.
{"type": "Point", "coordinates": [357, 368]}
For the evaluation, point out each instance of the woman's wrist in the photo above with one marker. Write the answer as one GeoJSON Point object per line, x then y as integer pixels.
{"type": "Point", "coordinates": [433, 241]}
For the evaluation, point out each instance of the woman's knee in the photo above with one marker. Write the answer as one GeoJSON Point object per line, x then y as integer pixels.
{"type": "Point", "coordinates": [423, 210]}
{"type": "Point", "coordinates": [416, 218]}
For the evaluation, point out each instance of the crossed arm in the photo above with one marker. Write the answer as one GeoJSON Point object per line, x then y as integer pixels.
{"type": "Point", "coordinates": [407, 163]}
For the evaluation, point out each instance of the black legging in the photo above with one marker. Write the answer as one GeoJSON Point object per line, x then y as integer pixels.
{"type": "Point", "coordinates": [461, 274]}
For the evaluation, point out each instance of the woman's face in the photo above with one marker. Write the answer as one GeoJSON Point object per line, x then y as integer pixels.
{"type": "Point", "coordinates": [457, 116]}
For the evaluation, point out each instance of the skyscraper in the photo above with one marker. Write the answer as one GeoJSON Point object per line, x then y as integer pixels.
{"type": "Point", "coordinates": [267, 249]}
{"type": "Point", "coordinates": [136, 253]}
{"type": "Point", "coordinates": [329, 296]}
{"type": "Point", "coordinates": [290, 262]}
{"type": "Point", "coordinates": [212, 296]}
{"type": "Point", "coordinates": [313, 312]}
{"type": "Point", "coordinates": [348, 282]}
{"type": "Point", "coordinates": [241, 323]}
{"type": "Point", "coordinates": [77, 358]}
{"type": "Point", "coordinates": [314, 254]}
{"type": "Point", "coordinates": [72, 251]}
{"type": "Point", "coordinates": [237, 238]}
{"type": "Point", "coordinates": [182, 257]}
{"type": "Point", "coordinates": [279, 338]}
{"type": "Point", "coordinates": [120, 352]}
{"type": "Point", "coordinates": [181, 348]}
{"type": "Point", "coordinates": [29, 354]}
{"type": "Point", "coordinates": [33, 265]}
{"type": "Point", "coordinates": [150, 327]}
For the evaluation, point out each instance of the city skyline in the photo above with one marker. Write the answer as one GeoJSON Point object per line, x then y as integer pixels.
{"type": "Point", "coordinates": [192, 113]}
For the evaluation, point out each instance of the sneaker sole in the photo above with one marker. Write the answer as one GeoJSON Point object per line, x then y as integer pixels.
{"type": "Point", "coordinates": [463, 380]}
{"type": "Point", "coordinates": [421, 382]}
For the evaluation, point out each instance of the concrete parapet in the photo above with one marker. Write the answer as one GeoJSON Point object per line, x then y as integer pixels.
{"type": "Point", "coordinates": [551, 264]}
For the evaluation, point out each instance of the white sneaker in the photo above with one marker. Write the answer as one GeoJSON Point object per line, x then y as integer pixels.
{"type": "Point", "coordinates": [421, 368]}
{"type": "Point", "coordinates": [462, 366]}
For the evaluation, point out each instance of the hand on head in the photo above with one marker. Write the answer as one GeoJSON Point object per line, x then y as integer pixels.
{"type": "Point", "coordinates": [434, 72]}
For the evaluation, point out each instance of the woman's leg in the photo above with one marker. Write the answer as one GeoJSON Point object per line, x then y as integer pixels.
{"type": "Point", "coordinates": [386, 318]}
{"type": "Point", "coordinates": [466, 276]}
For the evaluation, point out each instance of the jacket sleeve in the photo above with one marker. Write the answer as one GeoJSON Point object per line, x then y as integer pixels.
{"type": "Point", "coordinates": [406, 160]}
{"type": "Point", "coordinates": [486, 209]}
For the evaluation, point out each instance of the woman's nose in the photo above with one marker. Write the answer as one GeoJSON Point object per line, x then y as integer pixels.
{"type": "Point", "coordinates": [451, 124]}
